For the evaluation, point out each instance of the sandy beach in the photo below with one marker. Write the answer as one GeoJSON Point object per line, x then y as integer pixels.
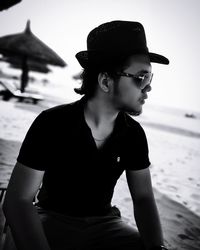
{"type": "Point", "coordinates": [174, 147]}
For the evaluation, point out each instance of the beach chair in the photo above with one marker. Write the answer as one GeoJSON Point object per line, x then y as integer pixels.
{"type": "Point", "coordinates": [6, 239]}
{"type": "Point", "coordinates": [3, 224]}
{"type": "Point", "coordinates": [11, 91]}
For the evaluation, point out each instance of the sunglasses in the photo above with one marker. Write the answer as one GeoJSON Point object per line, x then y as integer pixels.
{"type": "Point", "coordinates": [142, 80]}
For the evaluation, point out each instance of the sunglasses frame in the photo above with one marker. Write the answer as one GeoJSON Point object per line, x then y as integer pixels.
{"type": "Point", "coordinates": [138, 77]}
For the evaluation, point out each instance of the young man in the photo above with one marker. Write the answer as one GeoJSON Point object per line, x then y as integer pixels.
{"type": "Point", "coordinates": [79, 150]}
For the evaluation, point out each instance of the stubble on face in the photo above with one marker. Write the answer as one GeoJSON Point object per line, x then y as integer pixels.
{"type": "Point", "coordinates": [127, 96]}
{"type": "Point", "coordinates": [131, 110]}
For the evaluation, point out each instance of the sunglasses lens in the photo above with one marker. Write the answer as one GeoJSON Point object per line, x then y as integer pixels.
{"type": "Point", "coordinates": [144, 80]}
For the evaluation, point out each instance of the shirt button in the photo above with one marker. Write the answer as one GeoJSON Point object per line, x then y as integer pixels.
{"type": "Point", "coordinates": [118, 159]}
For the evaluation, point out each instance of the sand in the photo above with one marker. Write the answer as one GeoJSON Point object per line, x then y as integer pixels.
{"type": "Point", "coordinates": [174, 147]}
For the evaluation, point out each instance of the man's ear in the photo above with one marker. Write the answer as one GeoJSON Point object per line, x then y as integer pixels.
{"type": "Point", "coordinates": [104, 81]}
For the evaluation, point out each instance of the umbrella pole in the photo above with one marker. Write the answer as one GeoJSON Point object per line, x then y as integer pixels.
{"type": "Point", "coordinates": [24, 75]}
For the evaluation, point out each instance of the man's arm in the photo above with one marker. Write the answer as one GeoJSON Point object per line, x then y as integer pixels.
{"type": "Point", "coordinates": [145, 210]}
{"type": "Point", "coordinates": [20, 213]}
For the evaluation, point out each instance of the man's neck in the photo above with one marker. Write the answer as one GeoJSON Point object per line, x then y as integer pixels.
{"type": "Point", "coordinates": [100, 117]}
{"type": "Point", "coordinates": [98, 111]}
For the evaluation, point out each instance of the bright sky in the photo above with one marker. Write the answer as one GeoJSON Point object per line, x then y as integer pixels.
{"type": "Point", "coordinates": [172, 29]}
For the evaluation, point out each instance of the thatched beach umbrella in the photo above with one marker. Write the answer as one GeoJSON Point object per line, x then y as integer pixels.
{"type": "Point", "coordinates": [5, 4]}
{"type": "Point", "coordinates": [32, 65]}
{"type": "Point", "coordinates": [26, 46]}
{"type": "Point", "coordinates": [40, 68]}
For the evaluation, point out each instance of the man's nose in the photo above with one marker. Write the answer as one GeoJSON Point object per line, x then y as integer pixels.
{"type": "Point", "coordinates": [148, 88]}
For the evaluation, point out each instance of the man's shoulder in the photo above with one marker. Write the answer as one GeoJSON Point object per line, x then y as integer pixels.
{"type": "Point", "coordinates": [133, 127]}
{"type": "Point", "coordinates": [63, 108]}
{"type": "Point", "coordinates": [60, 114]}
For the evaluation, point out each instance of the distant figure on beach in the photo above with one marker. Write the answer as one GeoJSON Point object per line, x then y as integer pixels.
{"type": "Point", "coordinates": [73, 154]}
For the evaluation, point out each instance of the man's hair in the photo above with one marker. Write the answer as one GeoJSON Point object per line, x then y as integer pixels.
{"type": "Point", "coordinates": [89, 76]}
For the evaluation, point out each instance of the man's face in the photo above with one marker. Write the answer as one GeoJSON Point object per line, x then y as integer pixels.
{"type": "Point", "coordinates": [127, 94]}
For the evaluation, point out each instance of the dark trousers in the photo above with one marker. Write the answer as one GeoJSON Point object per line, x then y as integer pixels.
{"type": "Point", "coordinates": [97, 232]}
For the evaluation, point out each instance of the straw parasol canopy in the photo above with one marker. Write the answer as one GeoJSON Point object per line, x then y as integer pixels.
{"type": "Point", "coordinates": [40, 68]}
{"type": "Point", "coordinates": [26, 46]}
{"type": "Point", "coordinates": [5, 4]}
{"type": "Point", "coordinates": [35, 66]}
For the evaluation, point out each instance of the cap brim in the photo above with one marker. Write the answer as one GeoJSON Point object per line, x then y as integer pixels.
{"type": "Point", "coordinates": [83, 56]}
{"type": "Point", "coordinates": [156, 58]}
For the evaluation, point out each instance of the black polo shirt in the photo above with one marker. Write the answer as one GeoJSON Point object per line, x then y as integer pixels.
{"type": "Point", "coordinates": [79, 178]}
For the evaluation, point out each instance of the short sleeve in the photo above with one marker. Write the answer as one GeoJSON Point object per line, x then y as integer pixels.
{"type": "Point", "coordinates": [136, 154]}
{"type": "Point", "coordinates": [34, 149]}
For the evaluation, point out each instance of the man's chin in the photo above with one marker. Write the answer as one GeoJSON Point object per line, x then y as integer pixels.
{"type": "Point", "coordinates": [134, 113]}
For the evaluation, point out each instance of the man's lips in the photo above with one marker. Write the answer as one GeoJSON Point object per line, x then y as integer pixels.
{"type": "Point", "coordinates": [142, 99]}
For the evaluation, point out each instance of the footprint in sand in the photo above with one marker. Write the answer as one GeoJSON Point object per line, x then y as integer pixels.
{"type": "Point", "coordinates": [190, 233]}
{"type": "Point", "coordinates": [172, 188]}
{"type": "Point", "coordinates": [196, 230]}
{"type": "Point", "coordinates": [165, 180]}
{"type": "Point", "coordinates": [184, 237]}
{"type": "Point", "coordinates": [195, 196]}
{"type": "Point", "coordinates": [179, 216]}
{"type": "Point", "coordinates": [180, 161]}
{"type": "Point", "coordinates": [190, 179]}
